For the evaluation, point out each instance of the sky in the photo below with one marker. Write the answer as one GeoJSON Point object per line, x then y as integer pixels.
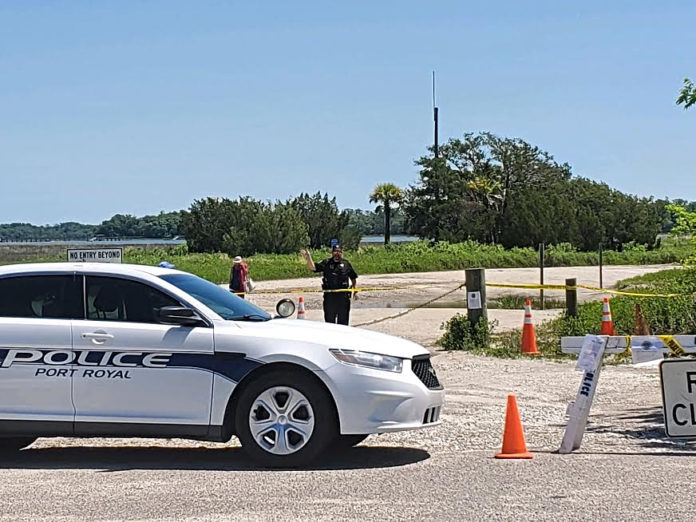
{"type": "Point", "coordinates": [142, 106]}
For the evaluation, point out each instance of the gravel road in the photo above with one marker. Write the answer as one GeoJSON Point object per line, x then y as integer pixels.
{"type": "Point", "coordinates": [423, 325]}
{"type": "Point", "coordinates": [432, 284]}
{"type": "Point", "coordinates": [625, 470]}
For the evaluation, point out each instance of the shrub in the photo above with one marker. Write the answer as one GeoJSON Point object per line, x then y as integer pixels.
{"type": "Point", "coordinates": [461, 335]}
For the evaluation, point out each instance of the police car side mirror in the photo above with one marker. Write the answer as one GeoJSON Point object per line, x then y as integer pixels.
{"type": "Point", "coordinates": [285, 308]}
{"type": "Point", "coordinates": [179, 315]}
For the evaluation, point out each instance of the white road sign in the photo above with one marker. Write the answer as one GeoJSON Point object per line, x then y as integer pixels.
{"type": "Point", "coordinates": [678, 377]}
{"type": "Point", "coordinates": [95, 255]}
{"type": "Point", "coordinates": [473, 301]}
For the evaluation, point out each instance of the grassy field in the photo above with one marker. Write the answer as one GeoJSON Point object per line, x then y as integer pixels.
{"type": "Point", "coordinates": [408, 257]}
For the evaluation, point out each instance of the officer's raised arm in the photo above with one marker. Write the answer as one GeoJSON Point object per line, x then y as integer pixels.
{"type": "Point", "coordinates": [306, 254]}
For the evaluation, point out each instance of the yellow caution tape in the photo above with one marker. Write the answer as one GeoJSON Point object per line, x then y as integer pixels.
{"type": "Point", "coordinates": [621, 292]}
{"type": "Point", "coordinates": [409, 310]}
{"type": "Point", "coordinates": [494, 285]}
{"type": "Point", "coordinates": [529, 286]}
{"type": "Point", "coordinates": [381, 319]}
{"type": "Point", "coordinates": [584, 287]}
{"type": "Point", "coordinates": [319, 290]}
{"type": "Point", "coordinates": [674, 347]}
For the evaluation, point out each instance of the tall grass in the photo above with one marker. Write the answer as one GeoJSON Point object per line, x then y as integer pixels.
{"type": "Point", "coordinates": [663, 315]}
{"type": "Point", "coordinates": [418, 256]}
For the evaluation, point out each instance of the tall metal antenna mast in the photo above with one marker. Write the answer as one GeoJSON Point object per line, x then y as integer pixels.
{"type": "Point", "coordinates": [436, 148]}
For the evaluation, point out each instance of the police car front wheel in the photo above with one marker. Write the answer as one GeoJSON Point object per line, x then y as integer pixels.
{"type": "Point", "coordinates": [285, 419]}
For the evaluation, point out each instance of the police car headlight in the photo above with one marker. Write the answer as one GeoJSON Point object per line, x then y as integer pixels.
{"type": "Point", "coordinates": [368, 360]}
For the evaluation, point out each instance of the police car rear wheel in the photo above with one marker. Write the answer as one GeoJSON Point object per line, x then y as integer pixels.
{"type": "Point", "coordinates": [285, 420]}
{"type": "Point", "coordinates": [14, 444]}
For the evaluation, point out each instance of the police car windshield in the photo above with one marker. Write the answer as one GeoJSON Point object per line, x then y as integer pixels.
{"type": "Point", "coordinates": [221, 301]}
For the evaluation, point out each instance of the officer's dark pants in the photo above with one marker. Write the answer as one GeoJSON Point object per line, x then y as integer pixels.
{"type": "Point", "coordinates": [337, 307]}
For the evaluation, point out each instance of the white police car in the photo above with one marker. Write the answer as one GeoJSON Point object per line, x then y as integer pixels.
{"type": "Point", "coordinates": [112, 350]}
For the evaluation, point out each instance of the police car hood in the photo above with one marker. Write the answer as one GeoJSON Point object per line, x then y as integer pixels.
{"type": "Point", "coordinates": [333, 336]}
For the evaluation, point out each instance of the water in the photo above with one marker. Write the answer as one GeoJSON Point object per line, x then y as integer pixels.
{"type": "Point", "coordinates": [98, 243]}
{"type": "Point", "coordinates": [399, 238]}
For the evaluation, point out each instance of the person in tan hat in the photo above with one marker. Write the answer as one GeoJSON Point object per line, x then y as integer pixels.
{"type": "Point", "coordinates": [239, 273]}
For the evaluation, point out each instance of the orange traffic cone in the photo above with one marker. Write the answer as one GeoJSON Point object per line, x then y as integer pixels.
{"type": "Point", "coordinates": [529, 346]}
{"type": "Point", "coordinates": [301, 308]}
{"type": "Point", "coordinates": [607, 322]}
{"type": "Point", "coordinates": [514, 446]}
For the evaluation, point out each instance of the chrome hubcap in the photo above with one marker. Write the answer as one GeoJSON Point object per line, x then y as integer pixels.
{"type": "Point", "coordinates": [281, 420]}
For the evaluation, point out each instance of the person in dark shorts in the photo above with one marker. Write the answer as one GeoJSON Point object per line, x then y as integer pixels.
{"type": "Point", "coordinates": [239, 273]}
{"type": "Point", "coordinates": [337, 274]}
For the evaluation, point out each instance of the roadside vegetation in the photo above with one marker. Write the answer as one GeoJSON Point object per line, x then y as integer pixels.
{"type": "Point", "coordinates": [663, 315]}
{"type": "Point", "coordinates": [418, 256]}
{"type": "Point", "coordinates": [672, 313]}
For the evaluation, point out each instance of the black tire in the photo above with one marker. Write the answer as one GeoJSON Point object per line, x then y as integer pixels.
{"type": "Point", "coordinates": [322, 413]}
{"type": "Point", "coordinates": [342, 442]}
{"type": "Point", "coordinates": [14, 444]}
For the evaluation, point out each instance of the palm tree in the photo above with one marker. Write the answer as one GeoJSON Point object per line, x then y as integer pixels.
{"type": "Point", "coordinates": [687, 96]}
{"type": "Point", "coordinates": [388, 196]}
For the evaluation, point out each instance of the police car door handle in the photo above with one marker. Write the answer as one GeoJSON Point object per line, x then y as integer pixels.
{"type": "Point", "coordinates": [97, 336]}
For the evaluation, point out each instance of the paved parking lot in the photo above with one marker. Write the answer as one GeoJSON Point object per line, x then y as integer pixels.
{"type": "Point", "coordinates": [626, 468]}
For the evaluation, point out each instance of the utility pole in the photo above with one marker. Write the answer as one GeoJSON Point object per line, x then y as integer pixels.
{"type": "Point", "coordinates": [436, 148]}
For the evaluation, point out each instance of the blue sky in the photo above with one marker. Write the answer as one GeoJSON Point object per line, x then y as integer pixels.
{"type": "Point", "coordinates": [141, 106]}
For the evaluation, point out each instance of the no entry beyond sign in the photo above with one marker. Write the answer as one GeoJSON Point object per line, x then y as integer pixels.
{"type": "Point", "coordinates": [96, 255]}
{"type": "Point", "coordinates": [678, 378]}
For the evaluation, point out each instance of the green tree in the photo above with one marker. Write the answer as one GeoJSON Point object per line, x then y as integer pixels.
{"type": "Point", "coordinates": [466, 192]}
{"type": "Point", "coordinates": [685, 225]}
{"type": "Point", "coordinates": [685, 221]}
{"type": "Point", "coordinates": [361, 220]}
{"type": "Point", "coordinates": [120, 225]}
{"type": "Point", "coordinates": [324, 220]}
{"type": "Point", "coordinates": [388, 196]}
{"type": "Point", "coordinates": [368, 222]}
{"type": "Point", "coordinates": [165, 224]}
{"type": "Point", "coordinates": [506, 191]}
{"type": "Point", "coordinates": [208, 220]}
{"type": "Point", "coordinates": [268, 228]}
{"type": "Point", "coordinates": [687, 95]}
{"type": "Point", "coordinates": [29, 232]}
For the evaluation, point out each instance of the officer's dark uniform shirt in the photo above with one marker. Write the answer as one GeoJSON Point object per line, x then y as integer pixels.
{"type": "Point", "coordinates": [336, 274]}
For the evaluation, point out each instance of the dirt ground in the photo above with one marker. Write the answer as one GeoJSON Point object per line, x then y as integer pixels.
{"type": "Point", "coordinates": [423, 325]}
{"type": "Point", "coordinates": [626, 469]}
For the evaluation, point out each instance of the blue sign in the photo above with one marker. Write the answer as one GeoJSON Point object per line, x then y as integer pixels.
{"type": "Point", "coordinates": [334, 242]}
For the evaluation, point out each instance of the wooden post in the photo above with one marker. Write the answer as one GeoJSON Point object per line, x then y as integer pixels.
{"type": "Point", "coordinates": [476, 295]}
{"type": "Point", "coordinates": [601, 282]}
{"type": "Point", "coordinates": [571, 297]}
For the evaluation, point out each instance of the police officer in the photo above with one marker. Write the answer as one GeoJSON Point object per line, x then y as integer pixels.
{"type": "Point", "coordinates": [336, 272]}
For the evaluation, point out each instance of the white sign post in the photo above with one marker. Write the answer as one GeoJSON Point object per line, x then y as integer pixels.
{"type": "Point", "coordinates": [678, 378]}
{"type": "Point", "coordinates": [590, 361]}
{"type": "Point", "coordinates": [95, 255]}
